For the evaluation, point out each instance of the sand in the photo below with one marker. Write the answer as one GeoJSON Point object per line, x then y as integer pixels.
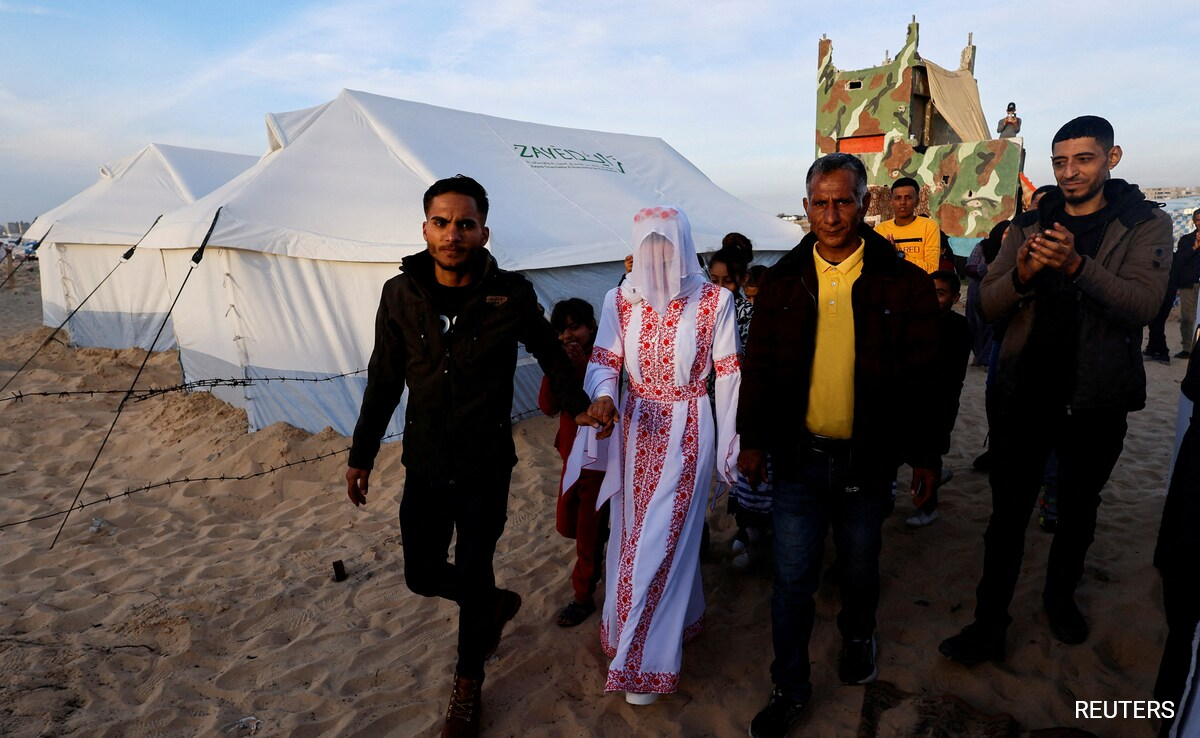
{"type": "Point", "coordinates": [191, 606]}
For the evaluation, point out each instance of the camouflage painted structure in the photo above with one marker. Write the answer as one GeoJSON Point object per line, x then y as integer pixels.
{"type": "Point", "coordinates": [911, 118]}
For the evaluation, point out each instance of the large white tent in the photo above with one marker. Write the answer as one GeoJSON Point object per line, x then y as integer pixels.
{"type": "Point", "coordinates": [84, 238]}
{"type": "Point", "coordinates": [291, 276]}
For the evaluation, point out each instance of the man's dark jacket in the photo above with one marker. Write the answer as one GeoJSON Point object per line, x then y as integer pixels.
{"type": "Point", "coordinates": [1185, 267]}
{"type": "Point", "coordinates": [460, 382]}
{"type": "Point", "coordinates": [895, 342]}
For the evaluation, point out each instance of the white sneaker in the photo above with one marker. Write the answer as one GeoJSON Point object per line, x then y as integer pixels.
{"type": "Point", "coordinates": [638, 698]}
{"type": "Point", "coordinates": [921, 519]}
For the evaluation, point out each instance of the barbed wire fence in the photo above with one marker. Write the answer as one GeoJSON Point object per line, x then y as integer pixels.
{"type": "Point", "coordinates": [123, 260]}
{"type": "Point", "coordinates": [140, 395]}
{"type": "Point", "coordinates": [133, 394]}
{"type": "Point", "coordinates": [130, 491]}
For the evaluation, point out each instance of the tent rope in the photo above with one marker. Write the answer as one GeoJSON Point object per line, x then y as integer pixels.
{"type": "Point", "coordinates": [124, 258]}
{"type": "Point", "coordinates": [196, 257]}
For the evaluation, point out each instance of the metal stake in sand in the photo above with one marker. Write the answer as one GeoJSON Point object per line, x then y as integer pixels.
{"type": "Point", "coordinates": [124, 258]}
{"type": "Point", "coordinates": [196, 257]}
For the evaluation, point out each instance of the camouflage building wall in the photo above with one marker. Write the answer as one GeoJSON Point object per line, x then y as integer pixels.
{"type": "Point", "coordinates": [887, 117]}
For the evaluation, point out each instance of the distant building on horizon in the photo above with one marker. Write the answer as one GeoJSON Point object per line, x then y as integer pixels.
{"type": "Point", "coordinates": [14, 228]}
{"type": "Point", "coordinates": [1170, 193]}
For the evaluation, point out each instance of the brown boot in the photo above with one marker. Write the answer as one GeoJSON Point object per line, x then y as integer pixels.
{"type": "Point", "coordinates": [465, 711]}
{"type": "Point", "coordinates": [505, 609]}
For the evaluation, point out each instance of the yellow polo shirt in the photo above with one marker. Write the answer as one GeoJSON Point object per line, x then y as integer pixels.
{"type": "Point", "coordinates": [831, 390]}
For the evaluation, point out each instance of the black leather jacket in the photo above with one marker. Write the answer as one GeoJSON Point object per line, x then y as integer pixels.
{"type": "Point", "coordinates": [460, 382]}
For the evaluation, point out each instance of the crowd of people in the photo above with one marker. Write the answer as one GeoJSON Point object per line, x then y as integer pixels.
{"type": "Point", "coordinates": [784, 385]}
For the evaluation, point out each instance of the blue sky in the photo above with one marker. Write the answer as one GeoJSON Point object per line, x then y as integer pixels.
{"type": "Point", "coordinates": [731, 85]}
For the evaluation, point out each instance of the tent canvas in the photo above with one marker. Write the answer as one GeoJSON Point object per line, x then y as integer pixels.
{"type": "Point", "coordinates": [305, 238]}
{"type": "Point", "coordinates": [86, 237]}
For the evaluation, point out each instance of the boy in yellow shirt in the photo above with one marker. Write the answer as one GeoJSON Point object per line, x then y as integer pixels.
{"type": "Point", "coordinates": [919, 239]}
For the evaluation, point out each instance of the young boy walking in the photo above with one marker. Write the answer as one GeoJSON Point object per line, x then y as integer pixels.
{"type": "Point", "coordinates": [950, 369]}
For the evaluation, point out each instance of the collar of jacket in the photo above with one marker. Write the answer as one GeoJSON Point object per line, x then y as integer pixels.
{"type": "Point", "coordinates": [879, 255]}
{"type": "Point", "coordinates": [1130, 206]}
{"type": "Point", "coordinates": [419, 267]}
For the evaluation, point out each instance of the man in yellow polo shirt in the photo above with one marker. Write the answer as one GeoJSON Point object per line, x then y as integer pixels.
{"type": "Point", "coordinates": [838, 357]}
{"type": "Point", "coordinates": [918, 238]}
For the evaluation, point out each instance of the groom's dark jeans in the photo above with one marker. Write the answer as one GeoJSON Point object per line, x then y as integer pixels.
{"type": "Point", "coordinates": [430, 511]}
{"type": "Point", "coordinates": [817, 493]}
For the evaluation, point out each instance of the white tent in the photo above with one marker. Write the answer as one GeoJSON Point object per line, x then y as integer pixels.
{"type": "Point", "coordinates": [86, 236]}
{"type": "Point", "coordinates": [305, 238]}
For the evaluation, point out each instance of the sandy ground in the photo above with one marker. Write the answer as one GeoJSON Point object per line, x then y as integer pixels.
{"type": "Point", "coordinates": [180, 609]}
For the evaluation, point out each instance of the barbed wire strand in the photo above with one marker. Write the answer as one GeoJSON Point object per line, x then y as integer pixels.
{"type": "Point", "coordinates": [124, 258]}
{"type": "Point", "coordinates": [196, 257]}
{"type": "Point", "coordinates": [130, 491]}
{"type": "Point", "coordinates": [147, 393]}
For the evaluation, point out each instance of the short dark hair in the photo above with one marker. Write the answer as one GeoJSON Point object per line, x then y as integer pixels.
{"type": "Point", "coordinates": [1087, 126]}
{"type": "Point", "coordinates": [1043, 190]}
{"type": "Point", "coordinates": [1012, 106]}
{"type": "Point", "coordinates": [835, 162]}
{"type": "Point", "coordinates": [735, 240]}
{"type": "Point", "coordinates": [734, 261]}
{"type": "Point", "coordinates": [573, 308]}
{"type": "Point", "coordinates": [756, 272]}
{"type": "Point", "coordinates": [950, 278]}
{"type": "Point", "coordinates": [906, 182]}
{"type": "Point", "coordinates": [459, 184]}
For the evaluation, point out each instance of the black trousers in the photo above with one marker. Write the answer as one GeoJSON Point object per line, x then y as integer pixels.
{"type": "Point", "coordinates": [1156, 333]}
{"type": "Point", "coordinates": [1087, 444]}
{"type": "Point", "coordinates": [431, 511]}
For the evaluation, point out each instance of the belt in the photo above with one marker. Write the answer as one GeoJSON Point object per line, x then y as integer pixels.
{"type": "Point", "coordinates": [830, 446]}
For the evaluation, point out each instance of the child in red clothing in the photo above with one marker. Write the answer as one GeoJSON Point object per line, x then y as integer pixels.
{"type": "Point", "coordinates": [577, 516]}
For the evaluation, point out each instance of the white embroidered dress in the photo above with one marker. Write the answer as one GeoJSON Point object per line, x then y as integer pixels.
{"type": "Point", "coordinates": [659, 474]}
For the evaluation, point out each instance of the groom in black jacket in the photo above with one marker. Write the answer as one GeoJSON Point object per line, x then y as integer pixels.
{"type": "Point", "coordinates": [448, 328]}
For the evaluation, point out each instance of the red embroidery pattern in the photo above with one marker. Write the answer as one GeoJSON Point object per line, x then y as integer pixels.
{"type": "Point", "coordinates": [624, 309]}
{"type": "Point", "coordinates": [654, 428]}
{"type": "Point", "coordinates": [604, 357]}
{"type": "Point", "coordinates": [679, 511]}
{"type": "Point", "coordinates": [706, 319]}
{"type": "Point", "coordinates": [666, 393]}
{"type": "Point", "coordinates": [693, 631]}
{"type": "Point", "coordinates": [656, 342]}
{"type": "Point", "coordinates": [642, 682]}
{"type": "Point", "coordinates": [728, 365]}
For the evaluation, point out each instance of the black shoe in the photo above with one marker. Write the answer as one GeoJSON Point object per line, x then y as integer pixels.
{"type": "Point", "coordinates": [1162, 357]}
{"type": "Point", "coordinates": [465, 711]}
{"type": "Point", "coordinates": [774, 720]}
{"type": "Point", "coordinates": [975, 644]}
{"type": "Point", "coordinates": [1066, 622]}
{"type": "Point", "coordinates": [1183, 355]}
{"type": "Point", "coordinates": [857, 662]}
